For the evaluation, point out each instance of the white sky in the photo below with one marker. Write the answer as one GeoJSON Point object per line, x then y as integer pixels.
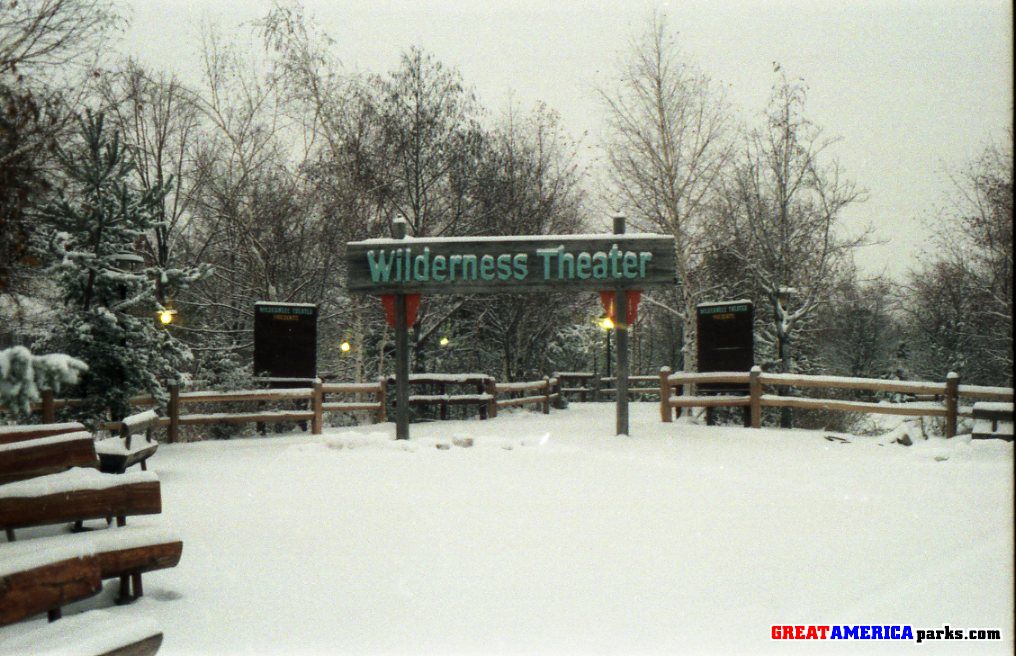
{"type": "Point", "coordinates": [913, 88]}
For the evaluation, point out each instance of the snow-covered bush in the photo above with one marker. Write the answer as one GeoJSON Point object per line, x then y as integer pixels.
{"type": "Point", "coordinates": [23, 375]}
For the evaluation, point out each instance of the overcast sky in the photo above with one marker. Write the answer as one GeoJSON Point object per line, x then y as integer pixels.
{"type": "Point", "coordinates": [913, 88]}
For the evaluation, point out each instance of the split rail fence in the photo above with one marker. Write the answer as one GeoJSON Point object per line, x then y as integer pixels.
{"type": "Point", "coordinates": [950, 391]}
{"type": "Point", "coordinates": [310, 404]}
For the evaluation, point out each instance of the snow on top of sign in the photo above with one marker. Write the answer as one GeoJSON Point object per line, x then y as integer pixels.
{"type": "Point", "coordinates": [72, 480]}
{"type": "Point", "coordinates": [388, 241]}
{"type": "Point", "coordinates": [93, 632]}
{"type": "Point", "coordinates": [715, 303]}
{"type": "Point", "coordinates": [40, 441]}
{"type": "Point", "coordinates": [286, 304]}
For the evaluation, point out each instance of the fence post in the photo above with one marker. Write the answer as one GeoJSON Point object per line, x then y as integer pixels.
{"type": "Point", "coordinates": [442, 389]}
{"type": "Point", "coordinates": [546, 395]}
{"type": "Point", "coordinates": [755, 389]}
{"type": "Point", "coordinates": [174, 411]}
{"type": "Point", "coordinates": [952, 402]}
{"type": "Point", "coordinates": [557, 390]}
{"type": "Point", "coordinates": [382, 400]}
{"type": "Point", "coordinates": [665, 410]}
{"type": "Point", "coordinates": [316, 401]}
{"type": "Point", "coordinates": [48, 407]}
{"type": "Point", "coordinates": [490, 387]}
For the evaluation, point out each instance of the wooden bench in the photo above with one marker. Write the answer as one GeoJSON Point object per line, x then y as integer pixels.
{"type": "Point", "coordinates": [119, 452]}
{"type": "Point", "coordinates": [987, 419]}
{"type": "Point", "coordinates": [94, 633]}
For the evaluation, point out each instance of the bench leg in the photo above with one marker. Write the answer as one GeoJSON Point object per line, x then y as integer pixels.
{"type": "Point", "coordinates": [138, 590]}
{"type": "Point", "coordinates": [10, 534]}
{"type": "Point", "coordinates": [78, 527]}
{"type": "Point", "coordinates": [54, 614]}
{"type": "Point", "coordinates": [144, 466]}
{"type": "Point", "coordinates": [121, 520]}
{"type": "Point", "coordinates": [125, 590]}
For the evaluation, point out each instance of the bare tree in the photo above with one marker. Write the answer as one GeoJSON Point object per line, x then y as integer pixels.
{"type": "Point", "coordinates": [780, 212]}
{"type": "Point", "coordinates": [160, 121]}
{"type": "Point", "coordinates": [959, 300]}
{"type": "Point", "coordinates": [668, 144]}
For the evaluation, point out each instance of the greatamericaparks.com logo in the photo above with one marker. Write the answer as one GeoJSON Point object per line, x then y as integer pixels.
{"type": "Point", "coordinates": [878, 632]}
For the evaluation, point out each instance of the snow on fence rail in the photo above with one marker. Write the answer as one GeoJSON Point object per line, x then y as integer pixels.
{"type": "Point", "coordinates": [950, 391]}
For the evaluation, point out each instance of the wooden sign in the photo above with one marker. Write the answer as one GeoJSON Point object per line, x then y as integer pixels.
{"type": "Point", "coordinates": [285, 340]}
{"type": "Point", "coordinates": [726, 341]}
{"type": "Point", "coordinates": [478, 265]}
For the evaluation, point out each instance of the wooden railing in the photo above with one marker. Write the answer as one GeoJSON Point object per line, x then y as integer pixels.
{"type": "Point", "coordinates": [310, 404]}
{"type": "Point", "coordinates": [950, 391]}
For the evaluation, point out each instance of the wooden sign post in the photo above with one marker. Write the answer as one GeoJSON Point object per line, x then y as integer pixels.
{"type": "Point", "coordinates": [624, 263]}
{"type": "Point", "coordinates": [621, 325]}
{"type": "Point", "coordinates": [401, 355]}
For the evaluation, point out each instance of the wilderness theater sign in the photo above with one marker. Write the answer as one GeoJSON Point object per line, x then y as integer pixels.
{"type": "Point", "coordinates": [470, 265]}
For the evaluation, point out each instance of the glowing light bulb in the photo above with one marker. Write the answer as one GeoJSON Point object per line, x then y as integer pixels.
{"type": "Point", "coordinates": [344, 347]}
{"type": "Point", "coordinates": [443, 341]}
{"type": "Point", "coordinates": [166, 317]}
{"type": "Point", "coordinates": [606, 323]}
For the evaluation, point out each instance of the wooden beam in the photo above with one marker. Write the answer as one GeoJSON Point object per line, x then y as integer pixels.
{"type": "Point", "coordinates": [10, 434]}
{"type": "Point", "coordinates": [47, 587]}
{"type": "Point", "coordinates": [129, 499]}
{"type": "Point", "coordinates": [46, 455]}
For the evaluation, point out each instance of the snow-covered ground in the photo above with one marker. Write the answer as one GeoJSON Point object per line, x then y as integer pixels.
{"type": "Point", "coordinates": [551, 535]}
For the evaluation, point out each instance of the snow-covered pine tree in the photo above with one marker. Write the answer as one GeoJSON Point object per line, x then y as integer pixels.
{"type": "Point", "coordinates": [109, 293]}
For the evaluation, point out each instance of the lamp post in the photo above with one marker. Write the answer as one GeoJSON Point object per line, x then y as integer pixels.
{"type": "Point", "coordinates": [607, 326]}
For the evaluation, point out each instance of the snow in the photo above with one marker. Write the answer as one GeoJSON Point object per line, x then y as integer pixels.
{"type": "Point", "coordinates": [23, 556]}
{"type": "Point", "coordinates": [140, 419]}
{"type": "Point", "coordinates": [95, 632]}
{"type": "Point", "coordinates": [31, 428]}
{"type": "Point", "coordinates": [739, 301]}
{"type": "Point", "coordinates": [96, 542]}
{"type": "Point", "coordinates": [973, 389]}
{"type": "Point", "coordinates": [117, 446]}
{"type": "Point", "coordinates": [448, 378]}
{"type": "Point", "coordinates": [993, 407]}
{"type": "Point", "coordinates": [423, 241]}
{"type": "Point", "coordinates": [79, 478]}
{"type": "Point", "coordinates": [285, 304]}
{"type": "Point", "coordinates": [549, 534]}
{"type": "Point", "coordinates": [42, 441]}
{"type": "Point", "coordinates": [289, 393]}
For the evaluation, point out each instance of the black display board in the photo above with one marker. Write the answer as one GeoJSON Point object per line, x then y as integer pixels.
{"type": "Point", "coordinates": [725, 342]}
{"type": "Point", "coordinates": [285, 340]}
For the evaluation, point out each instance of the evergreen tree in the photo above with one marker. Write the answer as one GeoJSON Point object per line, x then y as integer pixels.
{"type": "Point", "coordinates": [109, 294]}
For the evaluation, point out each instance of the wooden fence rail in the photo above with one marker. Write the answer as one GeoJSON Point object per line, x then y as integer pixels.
{"type": "Point", "coordinates": [754, 381]}
{"type": "Point", "coordinates": [310, 404]}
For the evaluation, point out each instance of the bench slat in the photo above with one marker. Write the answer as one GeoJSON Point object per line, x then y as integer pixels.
{"type": "Point", "coordinates": [118, 501]}
{"type": "Point", "coordinates": [46, 455]}
{"type": "Point", "coordinates": [9, 434]}
{"type": "Point", "coordinates": [50, 586]}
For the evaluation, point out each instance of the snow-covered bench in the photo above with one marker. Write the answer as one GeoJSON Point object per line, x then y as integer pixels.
{"type": "Point", "coordinates": [117, 453]}
{"type": "Point", "coordinates": [95, 633]}
{"type": "Point", "coordinates": [78, 495]}
{"type": "Point", "coordinates": [993, 420]}
{"type": "Point", "coordinates": [46, 455]}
